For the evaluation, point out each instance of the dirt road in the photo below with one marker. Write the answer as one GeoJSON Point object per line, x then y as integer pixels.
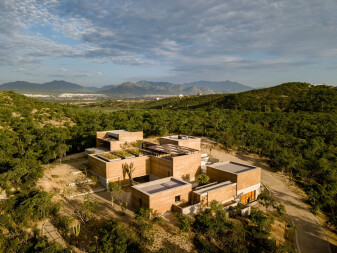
{"type": "Point", "coordinates": [310, 234]}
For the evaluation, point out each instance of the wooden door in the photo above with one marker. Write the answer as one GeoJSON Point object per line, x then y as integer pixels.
{"type": "Point", "coordinates": [248, 197]}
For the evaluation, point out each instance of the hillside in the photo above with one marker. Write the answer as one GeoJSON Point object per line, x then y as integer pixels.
{"type": "Point", "coordinates": [284, 97]}
{"type": "Point", "coordinates": [301, 144]}
{"type": "Point", "coordinates": [134, 89]}
{"type": "Point", "coordinates": [152, 88]}
{"type": "Point", "coordinates": [49, 87]}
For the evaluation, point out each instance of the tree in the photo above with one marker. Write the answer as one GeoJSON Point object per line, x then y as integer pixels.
{"type": "Point", "coordinates": [184, 222]}
{"type": "Point", "coordinates": [84, 168]}
{"type": "Point", "coordinates": [262, 222]}
{"type": "Point", "coordinates": [128, 169]}
{"type": "Point", "coordinates": [115, 191]}
{"type": "Point", "coordinates": [115, 237]}
{"type": "Point", "coordinates": [143, 225]}
{"type": "Point", "coordinates": [281, 210]}
{"type": "Point", "coordinates": [203, 179]}
{"type": "Point", "coordinates": [266, 200]}
{"type": "Point", "coordinates": [61, 150]}
{"type": "Point", "coordinates": [87, 209]}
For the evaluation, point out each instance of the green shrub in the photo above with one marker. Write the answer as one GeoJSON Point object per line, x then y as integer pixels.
{"type": "Point", "coordinates": [184, 222]}
{"type": "Point", "coordinates": [109, 156]}
{"type": "Point", "coordinates": [115, 237]}
{"type": "Point", "coordinates": [123, 153]}
{"type": "Point", "coordinates": [63, 223]}
{"type": "Point", "coordinates": [143, 213]}
{"type": "Point", "coordinates": [203, 179]}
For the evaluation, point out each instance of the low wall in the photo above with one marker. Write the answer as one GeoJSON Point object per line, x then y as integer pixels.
{"type": "Point", "coordinates": [188, 210]}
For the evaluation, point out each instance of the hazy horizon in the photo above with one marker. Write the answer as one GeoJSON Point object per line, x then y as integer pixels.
{"type": "Point", "coordinates": [256, 43]}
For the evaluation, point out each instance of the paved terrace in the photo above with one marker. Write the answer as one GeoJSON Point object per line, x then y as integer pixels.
{"type": "Point", "coordinates": [232, 167]}
{"type": "Point", "coordinates": [160, 185]}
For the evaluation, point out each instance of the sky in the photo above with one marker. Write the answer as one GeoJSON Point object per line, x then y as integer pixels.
{"type": "Point", "coordinates": [259, 43]}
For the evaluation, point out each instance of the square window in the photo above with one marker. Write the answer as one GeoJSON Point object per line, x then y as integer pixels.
{"type": "Point", "coordinates": [177, 198]}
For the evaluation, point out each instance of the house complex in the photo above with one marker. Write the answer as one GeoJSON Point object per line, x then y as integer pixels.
{"type": "Point", "coordinates": [165, 174]}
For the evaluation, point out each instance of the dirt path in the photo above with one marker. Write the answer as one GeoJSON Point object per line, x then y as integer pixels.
{"type": "Point", "coordinates": [311, 235]}
{"type": "Point", "coordinates": [52, 234]}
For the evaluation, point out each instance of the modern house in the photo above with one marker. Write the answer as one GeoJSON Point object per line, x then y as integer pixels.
{"type": "Point", "coordinates": [165, 173]}
{"type": "Point", "coordinates": [161, 194]}
{"type": "Point", "coordinates": [114, 140]}
{"type": "Point", "coordinates": [182, 140]}
{"type": "Point", "coordinates": [247, 178]}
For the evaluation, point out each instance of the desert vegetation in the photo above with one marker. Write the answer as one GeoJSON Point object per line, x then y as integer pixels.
{"type": "Point", "coordinates": [293, 126]}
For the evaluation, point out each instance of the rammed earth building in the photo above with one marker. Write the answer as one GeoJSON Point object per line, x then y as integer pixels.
{"type": "Point", "coordinates": [165, 173]}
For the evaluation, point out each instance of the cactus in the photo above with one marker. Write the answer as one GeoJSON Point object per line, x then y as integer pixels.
{"type": "Point", "coordinates": [76, 229]}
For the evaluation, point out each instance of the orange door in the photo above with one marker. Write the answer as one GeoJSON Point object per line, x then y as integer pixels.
{"type": "Point", "coordinates": [248, 197]}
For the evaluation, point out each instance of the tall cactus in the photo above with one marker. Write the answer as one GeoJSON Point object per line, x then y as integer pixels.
{"type": "Point", "coordinates": [76, 229]}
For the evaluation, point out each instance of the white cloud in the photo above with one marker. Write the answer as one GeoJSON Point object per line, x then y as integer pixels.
{"type": "Point", "coordinates": [99, 73]}
{"type": "Point", "coordinates": [196, 38]}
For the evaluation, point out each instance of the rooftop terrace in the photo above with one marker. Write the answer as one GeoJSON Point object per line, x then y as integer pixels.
{"type": "Point", "coordinates": [232, 167]}
{"type": "Point", "coordinates": [172, 149]}
{"type": "Point", "coordinates": [160, 185]}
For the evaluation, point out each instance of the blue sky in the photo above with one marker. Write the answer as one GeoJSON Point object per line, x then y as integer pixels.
{"type": "Point", "coordinates": [94, 43]}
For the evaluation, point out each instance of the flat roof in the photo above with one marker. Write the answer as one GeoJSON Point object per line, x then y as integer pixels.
{"type": "Point", "coordinates": [121, 131]}
{"type": "Point", "coordinates": [232, 167]}
{"type": "Point", "coordinates": [160, 185]}
{"type": "Point", "coordinates": [213, 187]}
{"type": "Point", "coordinates": [180, 137]}
{"type": "Point", "coordinates": [172, 149]}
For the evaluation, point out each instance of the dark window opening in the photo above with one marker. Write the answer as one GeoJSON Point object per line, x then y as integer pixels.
{"type": "Point", "coordinates": [140, 203]}
{"type": "Point", "coordinates": [177, 198]}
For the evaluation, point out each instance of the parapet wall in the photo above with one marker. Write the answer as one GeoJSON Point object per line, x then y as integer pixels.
{"type": "Point", "coordinates": [161, 167]}
{"type": "Point", "coordinates": [113, 171]}
{"type": "Point", "coordinates": [249, 178]}
{"type": "Point", "coordinates": [162, 202]}
{"type": "Point", "coordinates": [222, 194]}
{"type": "Point", "coordinates": [216, 175]}
{"type": "Point", "coordinates": [130, 136]}
{"type": "Point", "coordinates": [194, 143]}
{"type": "Point", "coordinates": [187, 167]}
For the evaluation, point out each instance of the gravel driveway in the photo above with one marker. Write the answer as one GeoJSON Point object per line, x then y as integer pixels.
{"type": "Point", "coordinates": [311, 235]}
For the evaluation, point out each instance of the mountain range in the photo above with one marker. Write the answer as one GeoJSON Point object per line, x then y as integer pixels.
{"type": "Point", "coordinates": [140, 88]}
{"type": "Point", "coordinates": [221, 87]}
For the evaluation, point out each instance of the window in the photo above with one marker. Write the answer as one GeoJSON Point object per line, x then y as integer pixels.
{"type": "Point", "coordinates": [177, 198]}
{"type": "Point", "coordinates": [140, 202]}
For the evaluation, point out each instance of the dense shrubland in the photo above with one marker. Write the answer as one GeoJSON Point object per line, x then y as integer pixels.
{"type": "Point", "coordinates": [293, 126]}
{"type": "Point", "coordinates": [285, 97]}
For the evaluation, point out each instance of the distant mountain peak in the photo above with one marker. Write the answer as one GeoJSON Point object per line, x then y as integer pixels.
{"type": "Point", "coordinates": [140, 88]}
{"type": "Point", "coordinates": [221, 86]}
